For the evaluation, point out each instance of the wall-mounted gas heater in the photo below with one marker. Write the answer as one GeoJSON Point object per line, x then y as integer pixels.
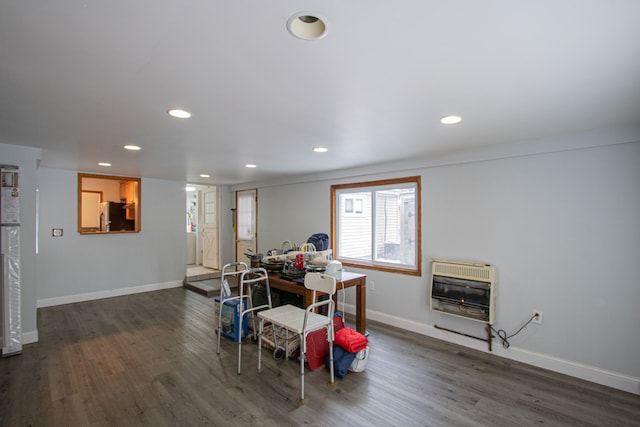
{"type": "Point", "coordinates": [464, 290]}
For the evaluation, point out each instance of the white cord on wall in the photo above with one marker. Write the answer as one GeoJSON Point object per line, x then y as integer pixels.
{"type": "Point", "coordinates": [343, 297]}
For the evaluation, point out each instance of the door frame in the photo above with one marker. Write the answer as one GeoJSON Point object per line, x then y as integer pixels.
{"type": "Point", "coordinates": [199, 221]}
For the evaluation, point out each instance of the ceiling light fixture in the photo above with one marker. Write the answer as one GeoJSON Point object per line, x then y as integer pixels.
{"type": "Point", "coordinates": [132, 147]}
{"type": "Point", "coordinates": [205, 175]}
{"type": "Point", "coordinates": [320, 150]}
{"type": "Point", "coordinates": [307, 26]}
{"type": "Point", "coordinates": [105, 164]}
{"type": "Point", "coordinates": [178, 113]}
{"type": "Point", "coordinates": [250, 165]}
{"type": "Point", "coordinates": [450, 120]}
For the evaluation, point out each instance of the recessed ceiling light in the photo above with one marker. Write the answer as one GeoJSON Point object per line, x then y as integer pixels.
{"type": "Point", "coordinates": [307, 26]}
{"type": "Point", "coordinates": [132, 147]}
{"type": "Point", "coordinates": [205, 175]}
{"type": "Point", "coordinates": [104, 164]}
{"type": "Point", "coordinates": [320, 150]}
{"type": "Point", "coordinates": [249, 165]}
{"type": "Point", "coordinates": [178, 113]}
{"type": "Point", "coordinates": [450, 120]}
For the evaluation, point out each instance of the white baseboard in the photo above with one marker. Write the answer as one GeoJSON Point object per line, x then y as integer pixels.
{"type": "Point", "coordinates": [90, 296]}
{"type": "Point", "coordinates": [30, 337]}
{"type": "Point", "coordinates": [567, 367]}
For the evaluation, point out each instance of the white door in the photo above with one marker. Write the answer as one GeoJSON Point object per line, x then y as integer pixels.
{"type": "Point", "coordinates": [209, 230]}
{"type": "Point", "coordinates": [246, 224]}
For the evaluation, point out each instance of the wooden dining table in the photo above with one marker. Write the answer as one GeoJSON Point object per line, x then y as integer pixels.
{"type": "Point", "coordinates": [349, 280]}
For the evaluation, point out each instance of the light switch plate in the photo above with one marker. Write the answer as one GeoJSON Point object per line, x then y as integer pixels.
{"type": "Point", "coordinates": [56, 232]}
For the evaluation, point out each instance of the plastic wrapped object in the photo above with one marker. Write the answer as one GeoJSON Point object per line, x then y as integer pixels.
{"type": "Point", "coordinates": [10, 249]}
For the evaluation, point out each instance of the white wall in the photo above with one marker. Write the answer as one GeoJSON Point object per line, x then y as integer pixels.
{"type": "Point", "coordinates": [562, 229]}
{"type": "Point", "coordinates": [292, 212]}
{"type": "Point", "coordinates": [81, 267]}
{"type": "Point", "coordinates": [27, 159]}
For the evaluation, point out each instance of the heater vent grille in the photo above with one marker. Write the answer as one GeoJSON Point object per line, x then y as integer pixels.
{"type": "Point", "coordinates": [464, 290]}
{"type": "Point", "coordinates": [482, 273]}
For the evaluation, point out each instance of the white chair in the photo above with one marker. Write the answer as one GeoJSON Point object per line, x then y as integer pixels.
{"type": "Point", "coordinates": [303, 321]}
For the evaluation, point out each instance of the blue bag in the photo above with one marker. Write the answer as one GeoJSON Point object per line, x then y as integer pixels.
{"type": "Point", "coordinates": [342, 360]}
{"type": "Point", "coordinates": [320, 241]}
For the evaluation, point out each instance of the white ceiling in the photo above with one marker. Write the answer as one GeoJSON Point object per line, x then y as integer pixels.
{"type": "Point", "coordinates": [80, 79]}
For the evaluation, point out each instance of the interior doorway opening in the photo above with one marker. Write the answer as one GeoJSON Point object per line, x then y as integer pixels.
{"type": "Point", "coordinates": [202, 228]}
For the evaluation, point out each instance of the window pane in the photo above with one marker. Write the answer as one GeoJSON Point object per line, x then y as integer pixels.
{"type": "Point", "coordinates": [348, 205]}
{"type": "Point", "coordinates": [358, 206]}
{"type": "Point", "coordinates": [210, 207]}
{"type": "Point", "coordinates": [395, 226]}
{"type": "Point", "coordinates": [355, 230]}
{"type": "Point", "coordinates": [245, 226]}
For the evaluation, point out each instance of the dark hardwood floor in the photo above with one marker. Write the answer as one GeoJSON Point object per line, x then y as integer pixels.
{"type": "Point", "coordinates": [150, 360]}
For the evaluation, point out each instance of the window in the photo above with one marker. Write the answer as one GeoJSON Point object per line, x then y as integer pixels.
{"type": "Point", "coordinates": [108, 204]}
{"type": "Point", "coordinates": [353, 205]}
{"type": "Point", "coordinates": [377, 224]}
{"type": "Point", "coordinates": [246, 206]}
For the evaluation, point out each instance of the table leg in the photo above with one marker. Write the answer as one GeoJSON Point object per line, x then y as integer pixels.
{"type": "Point", "coordinates": [361, 306]}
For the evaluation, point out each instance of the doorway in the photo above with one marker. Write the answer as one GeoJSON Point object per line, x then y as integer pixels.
{"type": "Point", "coordinates": [202, 227]}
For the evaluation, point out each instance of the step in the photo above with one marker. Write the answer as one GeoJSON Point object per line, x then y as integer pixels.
{"type": "Point", "coordinates": [207, 287]}
{"type": "Point", "coordinates": [197, 273]}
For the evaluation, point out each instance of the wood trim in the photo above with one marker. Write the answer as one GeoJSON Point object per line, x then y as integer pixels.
{"type": "Point", "coordinates": [333, 232]}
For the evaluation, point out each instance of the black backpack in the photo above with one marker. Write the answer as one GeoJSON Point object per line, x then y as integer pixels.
{"type": "Point", "coordinates": [320, 241]}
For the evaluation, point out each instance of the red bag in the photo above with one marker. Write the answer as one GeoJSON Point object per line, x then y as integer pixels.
{"type": "Point", "coordinates": [351, 340]}
{"type": "Point", "coordinates": [318, 346]}
{"type": "Point", "coordinates": [317, 349]}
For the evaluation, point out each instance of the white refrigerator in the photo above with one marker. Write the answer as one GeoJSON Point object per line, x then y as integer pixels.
{"type": "Point", "coordinates": [10, 251]}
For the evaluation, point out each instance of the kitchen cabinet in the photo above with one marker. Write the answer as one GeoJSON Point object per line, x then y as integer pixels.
{"type": "Point", "coordinates": [129, 194]}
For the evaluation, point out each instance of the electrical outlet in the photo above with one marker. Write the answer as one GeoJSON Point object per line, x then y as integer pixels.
{"type": "Point", "coordinates": [537, 319]}
{"type": "Point", "coordinates": [373, 285]}
{"type": "Point", "coordinates": [56, 232]}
